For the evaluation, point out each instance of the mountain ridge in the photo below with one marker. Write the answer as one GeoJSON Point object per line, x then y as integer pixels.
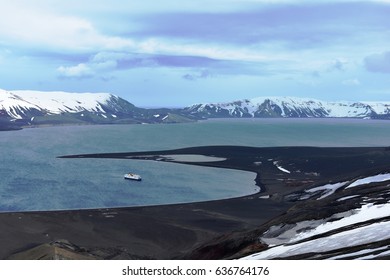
{"type": "Point", "coordinates": [293, 107]}
{"type": "Point", "coordinates": [31, 108]}
{"type": "Point", "coordinates": [22, 108]}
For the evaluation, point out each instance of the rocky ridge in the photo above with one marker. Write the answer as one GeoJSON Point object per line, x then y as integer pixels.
{"type": "Point", "coordinates": [290, 107]}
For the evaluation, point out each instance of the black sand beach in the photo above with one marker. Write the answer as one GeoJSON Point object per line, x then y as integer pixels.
{"type": "Point", "coordinates": [203, 230]}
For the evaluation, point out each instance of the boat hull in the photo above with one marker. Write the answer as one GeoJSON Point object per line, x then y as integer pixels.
{"type": "Point", "coordinates": [133, 177]}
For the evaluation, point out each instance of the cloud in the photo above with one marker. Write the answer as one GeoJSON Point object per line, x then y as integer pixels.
{"type": "Point", "coordinates": [79, 71]}
{"type": "Point", "coordinates": [245, 39]}
{"type": "Point", "coordinates": [379, 63]}
{"type": "Point", "coordinates": [105, 63]}
{"type": "Point", "coordinates": [215, 29]}
{"type": "Point", "coordinates": [300, 25]}
{"type": "Point", "coordinates": [22, 23]}
{"type": "Point", "coordinates": [217, 39]}
{"type": "Point", "coordinates": [204, 74]}
{"type": "Point", "coordinates": [189, 77]}
{"type": "Point", "coordinates": [338, 64]}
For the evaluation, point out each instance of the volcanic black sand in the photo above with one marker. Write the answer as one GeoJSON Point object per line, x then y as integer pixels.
{"type": "Point", "coordinates": [203, 230]}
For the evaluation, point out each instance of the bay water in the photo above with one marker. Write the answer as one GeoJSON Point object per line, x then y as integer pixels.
{"type": "Point", "coordinates": [33, 178]}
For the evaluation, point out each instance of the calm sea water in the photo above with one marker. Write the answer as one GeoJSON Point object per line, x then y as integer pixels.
{"type": "Point", "coordinates": [32, 178]}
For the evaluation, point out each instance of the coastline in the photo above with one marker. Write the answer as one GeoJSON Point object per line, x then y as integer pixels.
{"type": "Point", "coordinates": [186, 231]}
{"type": "Point", "coordinates": [144, 232]}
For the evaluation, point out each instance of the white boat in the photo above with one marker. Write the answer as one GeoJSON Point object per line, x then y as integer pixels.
{"type": "Point", "coordinates": [132, 176]}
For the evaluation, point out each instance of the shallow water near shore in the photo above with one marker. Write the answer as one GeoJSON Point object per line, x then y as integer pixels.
{"type": "Point", "coordinates": [32, 178]}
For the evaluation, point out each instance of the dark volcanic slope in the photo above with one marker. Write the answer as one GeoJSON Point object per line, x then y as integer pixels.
{"type": "Point", "coordinates": [302, 187]}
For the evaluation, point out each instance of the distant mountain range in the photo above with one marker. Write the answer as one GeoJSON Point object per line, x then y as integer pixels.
{"type": "Point", "coordinates": [290, 107]}
{"type": "Point", "coordinates": [31, 108]}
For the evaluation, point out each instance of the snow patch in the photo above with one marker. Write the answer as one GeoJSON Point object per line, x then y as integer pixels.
{"type": "Point", "coordinates": [365, 213]}
{"type": "Point", "coordinates": [371, 179]}
{"type": "Point", "coordinates": [276, 163]}
{"type": "Point", "coordinates": [192, 158]}
{"type": "Point", "coordinates": [383, 254]}
{"type": "Point", "coordinates": [347, 197]}
{"type": "Point", "coordinates": [358, 253]}
{"type": "Point", "coordinates": [296, 244]}
{"type": "Point", "coordinates": [265, 197]}
{"type": "Point", "coordinates": [327, 189]}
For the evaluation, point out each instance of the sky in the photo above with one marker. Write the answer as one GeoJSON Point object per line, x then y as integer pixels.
{"type": "Point", "coordinates": [174, 53]}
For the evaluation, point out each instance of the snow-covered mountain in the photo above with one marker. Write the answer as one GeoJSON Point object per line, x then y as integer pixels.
{"type": "Point", "coordinates": [290, 107]}
{"type": "Point", "coordinates": [25, 107]}
{"type": "Point", "coordinates": [27, 104]}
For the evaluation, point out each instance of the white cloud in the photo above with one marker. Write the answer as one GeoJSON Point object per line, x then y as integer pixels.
{"type": "Point", "coordinates": [39, 26]}
{"type": "Point", "coordinates": [102, 39]}
{"type": "Point", "coordinates": [99, 64]}
{"type": "Point", "coordinates": [43, 27]}
{"type": "Point", "coordinates": [58, 25]}
{"type": "Point", "coordinates": [79, 71]}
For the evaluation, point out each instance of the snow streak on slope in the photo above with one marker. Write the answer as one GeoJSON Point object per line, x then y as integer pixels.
{"type": "Point", "coordinates": [379, 107]}
{"type": "Point", "coordinates": [371, 179]}
{"type": "Point", "coordinates": [363, 231]}
{"type": "Point", "coordinates": [352, 237]}
{"type": "Point", "coordinates": [327, 189]}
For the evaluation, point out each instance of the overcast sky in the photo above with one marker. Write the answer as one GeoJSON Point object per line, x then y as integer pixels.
{"type": "Point", "coordinates": [180, 52]}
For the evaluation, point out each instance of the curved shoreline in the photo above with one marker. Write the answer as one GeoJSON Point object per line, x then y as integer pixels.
{"type": "Point", "coordinates": [175, 231]}
{"type": "Point", "coordinates": [138, 206]}
{"type": "Point", "coordinates": [248, 180]}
